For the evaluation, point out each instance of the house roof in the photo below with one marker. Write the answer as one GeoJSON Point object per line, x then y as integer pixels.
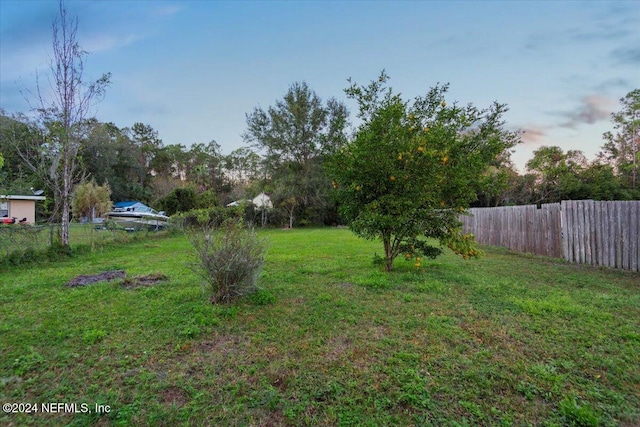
{"type": "Point", "coordinates": [19, 197]}
{"type": "Point", "coordinates": [127, 204]}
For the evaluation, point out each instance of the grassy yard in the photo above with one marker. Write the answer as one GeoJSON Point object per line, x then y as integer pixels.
{"type": "Point", "coordinates": [39, 237]}
{"type": "Point", "coordinates": [505, 340]}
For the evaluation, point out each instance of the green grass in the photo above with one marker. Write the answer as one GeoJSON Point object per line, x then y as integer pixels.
{"type": "Point", "coordinates": [16, 239]}
{"type": "Point", "coordinates": [505, 340]}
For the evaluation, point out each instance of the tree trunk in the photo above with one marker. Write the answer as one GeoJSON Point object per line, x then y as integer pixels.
{"type": "Point", "coordinates": [388, 253]}
{"type": "Point", "coordinates": [66, 197]}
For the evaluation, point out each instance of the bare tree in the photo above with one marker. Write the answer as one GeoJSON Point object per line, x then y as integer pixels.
{"type": "Point", "coordinates": [63, 117]}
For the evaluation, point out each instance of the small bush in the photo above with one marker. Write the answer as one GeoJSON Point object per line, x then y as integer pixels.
{"type": "Point", "coordinates": [262, 297]}
{"type": "Point", "coordinates": [578, 415]}
{"type": "Point", "coordinates": [93, 336]}
{"type": "Point", "coordinates": [230, 258]}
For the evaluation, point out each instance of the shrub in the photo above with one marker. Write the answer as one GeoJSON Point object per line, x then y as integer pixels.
{"type": "Point", "coordinates": [262, 297]}
{"type": "Point", "coordinates": [210, 218]}
{"type": "Point", "coordinates": [230, 258]}
{"type": "Point", "coordinates": [578, 415]}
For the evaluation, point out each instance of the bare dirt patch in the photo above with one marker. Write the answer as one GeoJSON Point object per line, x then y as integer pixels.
{"type": "Point", "coordinates": [174, 396]}
{"type": "Point", "coordinates": [84, 280]}
{"type": "Point", "coordinates": [127, 283]}
{"type": "Point", "coordinates": [143, 281]}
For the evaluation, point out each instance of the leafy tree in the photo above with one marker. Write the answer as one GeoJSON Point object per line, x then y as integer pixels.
{"type": "Point", "coordinates": [297, 133]}
{"type": "Point", "coordinates": [523, 190]}
{"type": "Point", "coordinates": [412, 167]}
{"type": "Point", "coordinates": [183, 199]}
{"type": "Point", "coordinates": [145, 138]}
{"type": "Point", "coordinates": [169, 170]}
{"type": "Point", "coordinates": [91, 200]}
{"type": "Point", "coordinates": [204, 165]}
{"type": "Point", "coordinates": [169, 161]}
{"type": "Point", "coordinates": [62, 120]}
{"type": "Point", "coordinates": [180, 200]}
{"type": "Point", "coordinates": [1, 161]}
{"type": "Point", "coordinates": [243, 165]}
{"type": "Point", "coordinates": [556, 173]}
{"type": "Point", "coordinates": [109, 156]}
{"type": "Point", "coordinates": [599, 182]}
{"type": "Point", "coordinates": [496, 185]}
{"type": "Point", "coordinates": [622, 149]}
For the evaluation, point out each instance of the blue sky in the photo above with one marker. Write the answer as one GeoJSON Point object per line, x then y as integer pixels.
{"type": "Point", "coordinates": [193, 69]}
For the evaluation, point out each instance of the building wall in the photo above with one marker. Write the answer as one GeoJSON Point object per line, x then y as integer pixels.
{"type": "Point", "coordinates": [23, 209]}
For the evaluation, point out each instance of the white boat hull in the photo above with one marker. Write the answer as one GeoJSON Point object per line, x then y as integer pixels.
{"type": "Point", "coordinates": [137, 220]}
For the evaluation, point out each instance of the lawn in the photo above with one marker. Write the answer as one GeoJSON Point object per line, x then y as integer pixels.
{"type": "Point", "coordinates": [505, 340]}
{"type": "Point", "coordinates": [39, 237]}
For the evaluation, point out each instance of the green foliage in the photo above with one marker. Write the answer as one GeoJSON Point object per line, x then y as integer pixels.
{"type": "Point", "coordinates": [341, 342]}
{"type": "Point", "coordinates": [576, 415]}
{"type": "Point", "coordinates": [91, 200]}
{"type": "Point", "coordinates": [297, 133]}
{"type": "Point", "coordinates": [554, 175]}
{"type": "Point", "coordinates": [414, 167]}
{"type": "Point", "coordinates": [212, 217]}
{"type": "Point", "coordinates": [230, 258]}
{"type": "Point", "coordinates": [181, 199]}
{"type": "Point", "coordinates": [262, 297]}
{"type": "Point", "coordinates": [93, 336]}
{"type": "Point", "coordinates": [184, 199]}
{"type": "Point", "coordinates": [110, 155]}
{"type": "Point", "coordinates": [622, 148]}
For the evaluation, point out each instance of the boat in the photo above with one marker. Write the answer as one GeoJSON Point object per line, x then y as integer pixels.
{"type": "Point", "coordinates": [136, 215]}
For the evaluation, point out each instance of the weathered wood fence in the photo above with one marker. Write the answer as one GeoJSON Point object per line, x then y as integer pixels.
{"type": "Point", "coordinates": [580, 231]}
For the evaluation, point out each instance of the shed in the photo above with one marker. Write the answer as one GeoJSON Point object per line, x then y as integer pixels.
{"type": "Point", "coordinates": [16, 206]}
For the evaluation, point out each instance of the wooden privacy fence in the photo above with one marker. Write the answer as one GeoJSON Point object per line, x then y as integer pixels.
{"type": "Point", "coordinates": [580, 231]}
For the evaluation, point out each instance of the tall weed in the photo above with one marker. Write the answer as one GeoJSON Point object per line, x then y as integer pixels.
{"type": "Point", "coordinates": [230, 258]}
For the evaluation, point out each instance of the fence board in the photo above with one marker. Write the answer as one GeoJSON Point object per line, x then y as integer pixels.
{"type": "Point", "coordinates": [583, 231]}
{"type": "Point", "coordinates": [634, 233]}
{"type": "Point", "coordinates": [597, 218]}
{"type": "Point", "coordinates": [566, 232]}
{"type": "Point", "coordinates": [618, 235]}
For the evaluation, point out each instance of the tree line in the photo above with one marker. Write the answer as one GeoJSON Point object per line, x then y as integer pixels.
{"type": "Point", "coordinates": [289, 145]}
{"type": "Point", "coordinates": [290, 148]}
{"type": "Point", "coordinates": [553, 174]}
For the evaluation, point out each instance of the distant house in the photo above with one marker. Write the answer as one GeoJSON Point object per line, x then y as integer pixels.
{"type": "Point", "coordinates": [15, 206]}
{"type": "Point", "coordinates": [262, 200]}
